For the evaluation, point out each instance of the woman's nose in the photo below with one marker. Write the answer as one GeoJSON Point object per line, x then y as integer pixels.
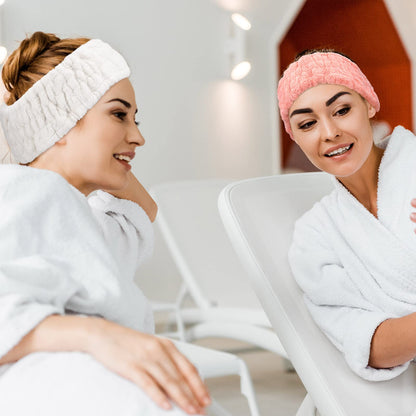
{"type": "Point", "coordinates": [135, 136]}
{"type": "Point", "coordinates": [329, 129]}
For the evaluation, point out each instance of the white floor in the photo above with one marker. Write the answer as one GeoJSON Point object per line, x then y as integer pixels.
{"type": "Point", "coordinates": [279, 392]}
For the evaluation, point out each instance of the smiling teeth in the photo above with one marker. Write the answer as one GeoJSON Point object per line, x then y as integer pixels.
{"type": "Point", "coordinates": [122, 157]}
{"type": "Point", "coordinates": [339, 151]}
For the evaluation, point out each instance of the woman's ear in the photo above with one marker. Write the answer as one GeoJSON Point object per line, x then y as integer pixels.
{"type": "Point", "coordinates": [371, 110]}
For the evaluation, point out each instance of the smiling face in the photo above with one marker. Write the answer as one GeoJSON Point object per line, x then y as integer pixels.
{"type": "Point", "coordinates": [331, 124]}
{"type": "Point", "coordinates": [95, 154]}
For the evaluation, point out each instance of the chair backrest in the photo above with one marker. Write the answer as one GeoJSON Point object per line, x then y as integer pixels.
{"type": "Point", "coordinates": [191, 226]}
{"type": "Point", "coordinates": [259, 216]}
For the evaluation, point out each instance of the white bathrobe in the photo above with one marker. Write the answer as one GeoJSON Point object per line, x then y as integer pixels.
{"type": "Point", "coordinates": [356, 270]}
{"type": "Point", "coordinates": [63, 254]}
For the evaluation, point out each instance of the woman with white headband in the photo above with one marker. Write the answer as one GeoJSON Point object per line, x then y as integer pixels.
{"type": "Point", "coordinates": [354, 253]}
{"type": "Point", "coordinates": [75, 331]}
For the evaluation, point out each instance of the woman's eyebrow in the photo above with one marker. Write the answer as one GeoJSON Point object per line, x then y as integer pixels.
{"type": "Point", "coordinates": [124, 102]}
{"type": "Point", "coordinates": [301, 111]}
{"type": "Point", "coordinates": [327, 104]}
{"type": "Point", "coordinates": [337, 95]}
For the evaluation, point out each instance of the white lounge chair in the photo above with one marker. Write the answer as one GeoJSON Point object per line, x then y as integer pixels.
{"type": "Point", "coordinates": [224, 304]}
{"type": "Point", "coordinates": [259, 215]}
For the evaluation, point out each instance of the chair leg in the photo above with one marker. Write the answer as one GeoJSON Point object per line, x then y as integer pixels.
{"type": "Point", "coordinates": [247, 388]}
{"type": "Point", "coordinates": [307, 408]}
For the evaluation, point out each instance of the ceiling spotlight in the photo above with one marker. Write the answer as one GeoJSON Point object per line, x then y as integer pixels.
{"type": "Point", "coordinates": [240, 70]}
{"type": "Point", "coordinates": [240, 21]}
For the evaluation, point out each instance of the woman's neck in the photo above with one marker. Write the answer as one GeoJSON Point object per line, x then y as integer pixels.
{"type": "Point", "coordinates": [364, 183]}
{"type": "Point", "coordinates": [50, 160]}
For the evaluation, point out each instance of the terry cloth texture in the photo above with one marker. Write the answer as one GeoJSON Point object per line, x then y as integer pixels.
{"type": "Point", "coordinates": [69, 384]}
{"type": "Point", "coordinates": [321, 68]}
{"type": "Point", "coordinates": [54, 104]}
{"type": "Point", "coordinates": [355, 270]}
{"type": "Point", "coordinates": [60, 256]}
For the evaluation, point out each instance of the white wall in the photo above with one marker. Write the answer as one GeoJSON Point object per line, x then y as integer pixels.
{"type": "Point", "coordinates": [197, 122]}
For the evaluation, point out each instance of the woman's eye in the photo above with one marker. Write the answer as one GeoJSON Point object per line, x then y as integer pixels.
{"type": "Point", "coordinates": [343, 111]}
{"type": "Point", "coordinates": [307, 125]}
{"type": "Point", "coordinates": [120, 114]}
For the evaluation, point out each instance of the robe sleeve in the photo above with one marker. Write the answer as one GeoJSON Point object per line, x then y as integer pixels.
{"type": "Point", "coordinates": [126, 227]}
{"type": "Point", "coordinates": [336, 303]}
{"type": "Point", "coordinates": [31, 289]}
{"type": "Point", "coordinates": [34, 282]}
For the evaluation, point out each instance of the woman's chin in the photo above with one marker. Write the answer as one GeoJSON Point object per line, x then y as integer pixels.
{"type": "Point", "coordinates": [115, 186]}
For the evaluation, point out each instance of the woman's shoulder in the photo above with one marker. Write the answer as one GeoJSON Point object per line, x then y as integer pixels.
{"type": "Point", "coordinates": [17, 175]}
{"type": "Point", "coordinates": [400, 151]}
{"type": "Point", "coordinates": [400, 131]}
{"type": "Point", "coordinates": [33, 185]}
{"type": "Point", "coordinates": [399, 138]}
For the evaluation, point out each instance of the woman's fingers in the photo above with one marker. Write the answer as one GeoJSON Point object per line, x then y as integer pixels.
{"type": "Point", "coordinates": [127, 365]}
{"type": "Point", "coordinates": [164, 370]}
{"type": "Point", "coordinates": [180, 367]}
{"type": "Point", "coordinates": [151, 388]}
{"type": "Point", "coordinates": [175, 387]}
{"type": "Point", "coordinates": [190, 373]}
{"type": "Point", "coordinates": [153, 363]}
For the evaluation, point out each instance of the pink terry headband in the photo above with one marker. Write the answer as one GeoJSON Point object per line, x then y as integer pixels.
{"type": "Point", "coordinates": [321, 68]}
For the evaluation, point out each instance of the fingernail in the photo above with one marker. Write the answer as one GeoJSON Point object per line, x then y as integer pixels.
{"type": "Point", "coordinates": [206, 401]}
{"type": "Point", "coordinates": [191, 409]}
{"type": "Point", "coordinates": [413, 216]}
{"type": "Point", "coordinates": [166, 405]}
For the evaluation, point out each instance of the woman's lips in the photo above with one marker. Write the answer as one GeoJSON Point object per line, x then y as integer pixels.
{"type": "Point", "coordinates": [124, 163]}
{"type": "Point", "coordinates": [336, 152]}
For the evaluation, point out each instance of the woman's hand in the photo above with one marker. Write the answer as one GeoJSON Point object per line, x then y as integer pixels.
{"type": "Point", "coordinates": [413, 214]}
{"type": "Point", "coordinates": [134, 191]}
{"type": "Point", "coordinates": [153, 363]}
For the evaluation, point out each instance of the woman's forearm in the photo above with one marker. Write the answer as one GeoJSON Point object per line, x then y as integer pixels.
{"type": "Point", "coordinates": [134, 191]}
{"type": "Point", "coordinates": [153, 363]}
{"type": "Point", "coordinates": [394, 342]}
{"type": "Point", "coordinates": [54, 333]}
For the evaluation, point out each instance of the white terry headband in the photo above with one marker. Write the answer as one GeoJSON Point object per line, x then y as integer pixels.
{"type": "Point", "coordinates": [54, 104]}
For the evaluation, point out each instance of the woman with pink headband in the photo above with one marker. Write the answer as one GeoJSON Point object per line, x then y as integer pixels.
{"type": "Point", "coordinates": [354, 253]}
{"type": "Point", "coordinates": [76, 333]}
